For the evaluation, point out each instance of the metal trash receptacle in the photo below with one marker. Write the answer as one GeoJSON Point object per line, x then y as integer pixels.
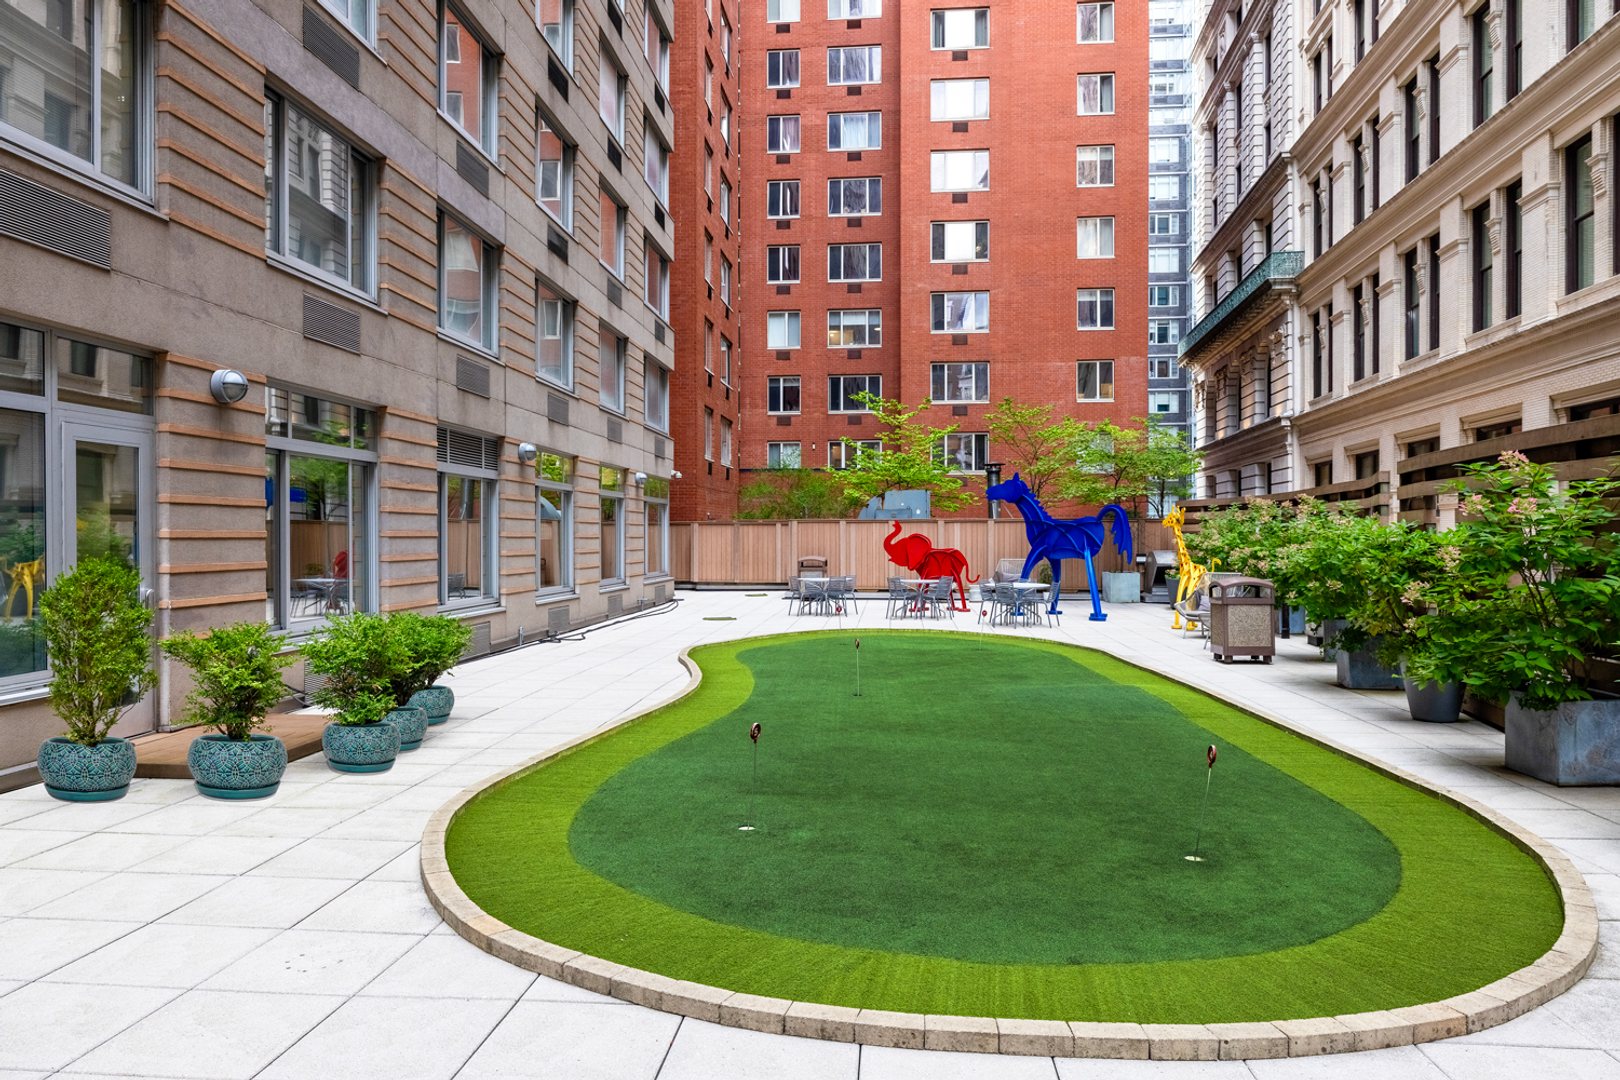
{"type": "Point", "coordinates": [1241, 619]}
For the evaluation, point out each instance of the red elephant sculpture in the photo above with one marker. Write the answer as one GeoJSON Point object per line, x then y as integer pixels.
{"type": "Point", "coordinates": [917, 553]}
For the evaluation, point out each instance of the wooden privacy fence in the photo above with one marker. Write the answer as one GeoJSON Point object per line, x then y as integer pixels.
{"type": "Point", "coordinates": [768, 552]}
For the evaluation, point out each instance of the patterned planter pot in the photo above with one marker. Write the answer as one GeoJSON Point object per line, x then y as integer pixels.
{"type": "Point", "coordinates": [436, 701]}
{"type": "Point", "coordinates": [227, 768]}
{"type": "Point", "coordinates": [79, 773]}
{"type": "Point", "coordinates": [412, 723]}
{"type": "Point", "coordinates": [361, 748]}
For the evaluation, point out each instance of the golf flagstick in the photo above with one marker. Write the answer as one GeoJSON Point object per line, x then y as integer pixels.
{"type": "Point", "coordinates": [857, 667]}
{"type": "Point", "coordinates": [1209, 774]}
{"type": "Point", "coordinates": [753, 785]}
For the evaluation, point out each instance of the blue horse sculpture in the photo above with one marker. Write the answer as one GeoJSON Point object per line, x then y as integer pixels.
{"type": "Point", "coordinates": [1055, 540]}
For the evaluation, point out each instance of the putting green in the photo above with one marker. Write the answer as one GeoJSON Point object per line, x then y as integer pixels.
{"type": "Point", "coordinates": [997, 828]}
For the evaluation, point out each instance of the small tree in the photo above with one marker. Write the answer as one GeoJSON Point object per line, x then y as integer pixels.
{"type": "Point", "coordinates": [1032, 444]}
{"type": "Point", "coordinates": [97, 636]}
{"type": "Point", "coordinates": [237, 676]}
{"type": "Point", "coordinates": [362, 658]}
{"type": "Point", "coordinates": [1129, 465]}
{"type": "Point", "coordinates": [911, 457]}
{"type": "Point", "coordinates": [433, 644]}
{"type": "Point", "coordinates": [794, 493]}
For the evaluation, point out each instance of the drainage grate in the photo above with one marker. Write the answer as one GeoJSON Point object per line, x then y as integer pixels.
{"type": "Point", "coordinates": [331, 324]}
{"type": "Point", "coordinates": [36, 214]}
{"type": "Point", "coordinates": [329, 46]}
{"type": "Point", "coordinates": [472, 376]}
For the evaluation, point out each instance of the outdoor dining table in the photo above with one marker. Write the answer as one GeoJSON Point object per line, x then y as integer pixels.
{"type": "Point", "coordinates": [917, 603]}
{"type": "Point", "coordinates": [1028, 589]}
{"type": "Point", "coordinates": [325, 589]}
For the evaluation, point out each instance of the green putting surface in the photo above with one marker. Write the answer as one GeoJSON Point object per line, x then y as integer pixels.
{"type": "Point", "coordinates": [997, 827]}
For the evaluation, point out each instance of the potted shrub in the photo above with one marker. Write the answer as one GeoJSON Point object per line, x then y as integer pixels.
{"type": "Point", "coordinates": [359, 659]}
{"type": "Point", "coordinates": [236, 673]}
{"type": "Point", "coordinates": [96, 633]}
{"type": "Point", "coordinates": [1530, 599]}
{"type": "Point", "coordinates": [434, 644]}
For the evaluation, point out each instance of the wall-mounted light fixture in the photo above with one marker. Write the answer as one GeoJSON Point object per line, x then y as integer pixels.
{"type": "Point", "coordinates": [641, 478]}
{"type": "Point", "coordinates": [527, 452]}
{"type": "Point", "coordinates": [228, 386]}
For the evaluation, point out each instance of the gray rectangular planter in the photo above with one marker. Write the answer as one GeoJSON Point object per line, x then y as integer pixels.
{"type": "Point", "coordinates": [1576, 744]}
{"type": "Point", "coordinates": [1360, 670]}
{"type": "Point", "coordinates": [1122, 588]}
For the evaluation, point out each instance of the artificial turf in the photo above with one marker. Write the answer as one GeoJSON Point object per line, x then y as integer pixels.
{"type": "Point", "coordinates": [997, 828]}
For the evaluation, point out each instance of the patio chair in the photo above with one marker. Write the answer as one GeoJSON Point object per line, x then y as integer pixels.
{"type": "Point", "coordinates": [841, 594]}
{"type": "Point", "coordinates": [1194, 610]}
{"type": "Point", "coordinates": [938, 596]}
{"type": "Point", "coordinates": [1004, 611]}
{"type": "Point", "coordinates": [898, 598]}
{"type": "Point", "coordinates": [813, 595]}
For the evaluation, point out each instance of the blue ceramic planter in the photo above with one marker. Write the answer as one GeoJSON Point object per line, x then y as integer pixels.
{"type": "Point", "coordinates": [436, 701]}
{"type": "Point", "coordinates": [79, 773]}
{"type": "Point", "coordinates": [361, 748]}
{"type": "Point", "coordinates": [227, 768]}
{"type": "Point", "coordinates": [412, 723]}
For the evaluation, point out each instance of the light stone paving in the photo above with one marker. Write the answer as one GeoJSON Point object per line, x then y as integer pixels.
{"type": "Point", "coordinates": [172, 936]}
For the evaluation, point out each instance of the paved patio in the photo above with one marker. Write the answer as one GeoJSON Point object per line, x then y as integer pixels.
{"type": "Point", "coordinates": [168, 935]}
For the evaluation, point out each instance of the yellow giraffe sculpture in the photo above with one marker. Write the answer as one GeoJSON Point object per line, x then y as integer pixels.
{"type": "Point", "coordinates": [1190, 574]}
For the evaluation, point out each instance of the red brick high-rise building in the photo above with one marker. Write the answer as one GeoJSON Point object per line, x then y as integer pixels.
{"type": "Point", "coordinates": [939, 202]}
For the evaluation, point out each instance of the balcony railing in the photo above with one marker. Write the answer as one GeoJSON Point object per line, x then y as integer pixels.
{"type": "Point", "coordinates": [1279, 266]}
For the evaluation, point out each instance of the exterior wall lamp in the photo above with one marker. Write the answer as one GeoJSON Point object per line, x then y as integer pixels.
{"type": "Point", "coordinates": [228, 386]}
{"type": "Point", "coordinates": [527, 453]}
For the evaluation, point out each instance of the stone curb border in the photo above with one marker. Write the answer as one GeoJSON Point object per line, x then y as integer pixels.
{"type": "Point", "coordinates": [1560, 968]}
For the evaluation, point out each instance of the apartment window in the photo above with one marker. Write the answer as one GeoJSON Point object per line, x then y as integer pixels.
{"type": "Point", "coordinates": [610, 535]}
{"type": "Point", "coordinates": [1358, 178]}
{"type": "Point", "coordinates": [1164, 260]}
{"type": "Point", "coordinates": [964, 452]}
{"type": "Point", "coordinates": [1321, 358]}
{"type": "Point", "coordinates": [782, 134]}
{"type": "Point", "coordinates": [855, 329]}
{"type": "Point", "coordinates": [657, 43]}
{"type": "Point", "coordinates": [1164, 295]}
{"type": "Point", "coordinates": [962, 28]}
{"type": "Point", "coordinates": [655, 394]}
{"type": "Point", "coordinates": [1377, 338]}
{"type": "Point", "coordinates": [844, 454]}
{"type": "Point", "coordinates": [960, 241]}
{"type": "Point", "coordinates": [554, 523]}
{"type": "Point", "coordinates": [959, 170]}
{"type": "Point", "coordinates": [959, 312]}
{"type": "Point", "coordinates": [611, 242]}
{"type": "Point", "coordinates": [708, 257]}
{"type": "Point", "coordinates": [1094, 166]}
{"type": "Point", "coordinates": [783, 455]}
{"type": "Point", "coordinates": [1434, 291]}
{"type": "Point", "coordinates": [725, 40]}
{"type": "Point", "coordinates": [1359, 15]}
{"type": "Point", "coordinates": [781, 11]}
{"type": "Point", "coordinates": [708, 171]}
{"type": "Point", "coordinates": [782, 264]}
{"type": "Point", "coordinates": [708, 84]}
{"type": "Point", "coordinates": [1513, 48]}
{"type": "Point", "coordinates": [781, 68]}
{"type": "Point", "coordinates": [469, 472]}
{"type": "Point", "coordinates": [1096, 309]}
{"type": "Point", "coordinates": [856, 196]}
{"type": "Point", "coordinates": [841, 391]}
{"type": "Point", "coordinates": [725, 281]}
{"type": "Point", "coordinates": [1318, 81]}
{"type": "Point", "coordinates": [1094, 23]}
{"type": "Point", "coordinates": [554, 180]}
{"type": "Point", "coordinates": [854, 9]}
{"type": "Point", "coordinates": [708, 435]}
{"type": "Point", "coordinates": [725, 200]}
{"type": "Point", "coordinates": [1499, 430]}
{"type": "Point", "coordinates": [657, 274]}
{"type": "Point", "coordinates": [1164, 401]}
{"type": "Point", "coordinates": [656, 162]}
{"type": "Point", "coordinates": [1480, 247]}
{"type": "Point", "coordinates": [610, 358]}
{"type": "Point", "coordinates": [1164, 188]}
{"type": "Point", "coordinates": [1434, 108]}
{"type": "Point", "coordinates": [725, 359]}
{"type": "Point", "coordinates": [782, 394]}
{"type": "Point", "coordinates": [1095, 238]}
{"type": "Point", "coordinates": [1319, 241]}
{"type": "Point", "coordinates": [1094, 380]}
{"type": "Point", "coordinates": [855, 131]}
{"type": "Point", "coordinates": [1484, 65]}
{"type": "Point", "coordinates": [1513, 246]}
{"type": "Point", "coordinates": [557, 27]}
{"type": "Point", "coordinates": [1580, 17]}
{"type": "Point", "coordinates": [655, 501]}
{"type": "Point", "coordinates": [708, 346]}
{"type": "Point", "coordinates": [1096, 95]}
{"type": "Point", "coordinates": [959, 383]}
{"type": "Point", "coordinates": [320, 195]}
{"type": "Point", "coordinates": [467, 82]}
{"type": "Point", "coordinates": [1358, 334]}
{"type": "Point", "coordinates": [468, 280]}
{"type": "Point", "coordinates": [1164, 224]}
{"type": "Point", "coordinates": [1164, 332]}
{"type": "Point", "coordinates": [1410, 128]}
{"type": "Point", "coordinates": [1409, 286]}
{"type": "Point", "coordinates": [854, 65]}
{"type": "Point", "coordinates": [1165, 151]}
{"type": "Point", "coordinates": [1580, 224]}
{"type": "Point", "coordinates": [1377, 164]}
{"type": "Point", "coordinates": [610, 97]}
{"type": "Point", "coordinates": [782, 329]}
{"type": "Point", "coordinates": [782, 199]}
{"type": "Point", "coordinates": [959, 99]}
{"type": "Point", "coordinates": [554, 352]}
{"type": "Point", "coordinates": [854, 262]}
{"type": "Point", "coordinates": [725, 121]}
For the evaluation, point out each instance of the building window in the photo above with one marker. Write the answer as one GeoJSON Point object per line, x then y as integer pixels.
{"type": "Point", "coordinates": [655, 501]}
{"type": "Point", "coordinates": [725, 121]}
{"type": "Point", "coordinates": [610, 96]}
{"type": "Point", "coordinates": [555, 172]}
{"type": "Point", "coordinates": [960, 312]}
{"type": "Point", "coordinates": [1164, 260]}
{"type": "Point", "coordinates": [725, 442]}
{"type": "Point", "coordinates": [1514, 249]}
{"type": "Point", "coordinates": [782, 11]}
{"type": "Point", "coordinates": [468, 279]}
{"type": "Point", "coordinates": [1412, 130]}
{"type": "Point", "coordinates": [782, 264]}
{"type": "Point", "coordinates": [557, 27]}
{"type": "Point", "coordinates": [657, 49]}
{"type": "Point", "coordinates": [320, 196]}
{"type": "Point", "coordinates": [1579, 16]}
{"type": "Point", "coordinates": [855, 131]}
{"type": "Point", "coordinates": [783, 455]}
{"type": "Point", "coordinates": [554, 354]}
{"type": "Point", "coordinates": [1164, 295]}
{"type": "Point", "coordinates": [782, 329]}
{"type": "Point", "coordinates": [1434, 291]}
{"type": "Point", "coordinates": [1094, 380]}
{"type": "Point", "coordinates": [554, 524]}
{"type": "Point", "coordinates": [1094, 23]}
{"type": "Point", "coordinates": [1358, 335]}
{"type": "Point", "coordinates": [962, 28]}
{"type": "Point", "coordinates": [655, 159]}
{"type": "Point", "coordinates": [781, 68]}
{"type": "Point", "coordinates": [854, 65]}
{"type": "Point", "coordinates": [1580, 231]}
{"type": "Point", "coordinates": [1095, 238]}
{"type": "Point", "coordinates": [1479, 243]}
{"type": "Point", "coordinates": [469, 471]}
{"type": "Point", "coordinates": [1409, 286]}
{"type": "Point", "coordinates": [1375, 326]}
{"type": "Point", "coordinates": [611, 240]}
{"type": "Point", "coordinates": [708, 435]}
{"type": "Point", "coordinates": [782, 199]}
{"type": "Point", "coordinates": [782, 134]}
{"type": "Point", "coordinates": [610, 490]}
{"type": "Point", "coordinates": [958, 383]}
{"type": "Point", "coordinates": [1377, 156]}
{"type": "Point", "coordinates": [1358, 181]}
{"type": "Point", "coordinates": [725, 359]}
{"type": "Point", "coordinates": [960, 241]}
{"type": "Point", "coordinates": [1096, 95]}
{"type": "Point", "coordinates": [1096, 309]}
{"type": "Point", "coordinates": [1484, 65]}
{"type": "Point", "coordinates": [1513, 48]}
{"type": "Point", "coordinates": [1164, 188]}
{"type": "Point", "coordinates": [782, 394]}
{"type": "Point", "coordinates": [1163, 401]}
{"type": "Point", "coordinates": [610, 354]}
{"type": "Point", "coordinates": [655, 393]}
{"type": "Point", "coordinates": [725, 200]}
{"type": "Point", "coordinates": [320, 529]}
{"type": "Point", "coordinates": [841, 391]}
{"type": "Point", "coordinates": [1164, 332]}
{"type": "Point", "coordinates": [1321, 359]}
{"type": "Point", "coordinates": [959, 99]}
{"type": "Point", "coordinates": [467, 82]}
{"type": "Point", "coordinates": [856, 329]}
{"type": "Point", "coordinates": [854, 262]}
{"type": "Point", "coordinates": [1094, 166]}
{"type": "Point", "coordinates": [725, 281]}
{"type": "Point", "coordinates": [959, 170]}
{"type": "Point", "coordinates": [657, 275]}
{"type": "Point", "coordinates": [1433, 65]}
{"type": "Point", "coordinates": [845, 455]}
{"type": "Point", "coordinates": [858, 196]}
{"type": "Point", "coordinates": [1164, 151]}
{"type": "Point", "coordinates": [1164, 224]}
{"type": "Point", "coordinates": [964, 452]}
{"type": "Point", "coordinates": [1358, 13]}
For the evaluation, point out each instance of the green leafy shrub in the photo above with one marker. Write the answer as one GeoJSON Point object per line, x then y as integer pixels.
{"type": "Point", "coordinates": [363, 659]}
{"type": "Point", "coordinates": [432, 645]}
{"type": "Point", "coordinates": [237, 676]}
{"type": "Point", "coordinates": [97, 634]}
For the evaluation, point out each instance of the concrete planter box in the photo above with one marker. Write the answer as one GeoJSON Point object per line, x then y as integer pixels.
{"type": "Point", "coordinates": [1576, 744]}
{"type": "Point", "coordinates": [226, 768]}
{"type": "Point", "coordinates": [1433, 703]}
{"type": "Point", "coordinates": [1291, 621]}
{"type": "Point", "coordinates": [1360, 670]}
{"type": "Point", "coordinates": [1122, 588]}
